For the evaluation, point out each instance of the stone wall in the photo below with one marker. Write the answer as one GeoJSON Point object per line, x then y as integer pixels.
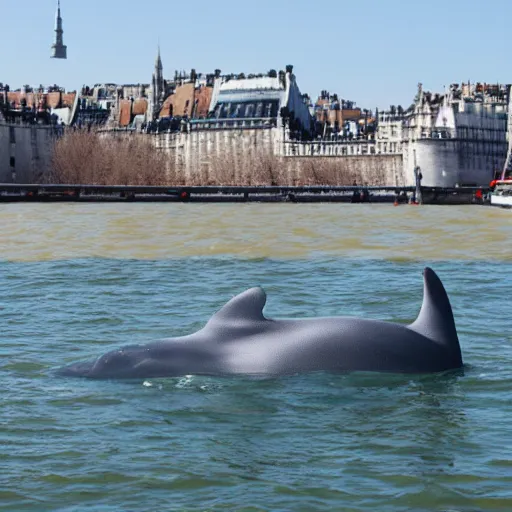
{"type": "Point", "coordinates": [370, 170]}
{"type": "Point", "coordinates": [453, 162]}
{"type": "Point", "coordinates": [200, 154]}
{"type": "Point", "coordinates": [202, 151]}
{"type": "Point", "coordinates": [203, 156]}
{"type": "Point", "coordinates": [25, 152]}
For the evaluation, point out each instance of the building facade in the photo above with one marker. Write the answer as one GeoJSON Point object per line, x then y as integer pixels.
{"type": "Point", "coordinates": [452, 139]}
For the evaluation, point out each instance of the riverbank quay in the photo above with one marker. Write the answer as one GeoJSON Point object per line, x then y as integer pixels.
{"type": "Point", "coordinates": [10, 192]}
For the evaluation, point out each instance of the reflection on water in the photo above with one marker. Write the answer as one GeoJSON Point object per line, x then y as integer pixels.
{"type": "Point", "coordinates": [157, 231]}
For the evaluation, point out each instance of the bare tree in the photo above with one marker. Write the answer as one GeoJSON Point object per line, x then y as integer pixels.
{"type": "Point", "coordinates": [89, 158]}
{"type": "Point", "coordinates": [82, 157]}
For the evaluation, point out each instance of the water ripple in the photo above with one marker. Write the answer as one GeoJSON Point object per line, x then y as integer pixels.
{"type": "Point", "coordinates": [317, 442]}
{"type": "Point", "coordinates": [35, 232]}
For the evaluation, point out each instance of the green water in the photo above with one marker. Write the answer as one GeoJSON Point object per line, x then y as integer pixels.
{"type": "Point", "coordinates": [77, 280]}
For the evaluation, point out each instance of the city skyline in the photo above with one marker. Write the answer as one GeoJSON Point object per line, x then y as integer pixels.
{"type": "Point", "coordinates": [373, 54]}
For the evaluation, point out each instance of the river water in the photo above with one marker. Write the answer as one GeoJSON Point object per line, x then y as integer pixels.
{"type": "Point", "coordinates": [79, 279]}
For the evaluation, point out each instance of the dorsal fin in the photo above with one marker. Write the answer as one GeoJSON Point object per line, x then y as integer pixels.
{"type": "Point", "coordinates": [247, 306]}
{"type": "Point", "coordinates": [435, 320]}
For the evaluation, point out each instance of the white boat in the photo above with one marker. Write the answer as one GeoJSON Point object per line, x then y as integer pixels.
{"type": "Point", "coordinates": [502, 194]}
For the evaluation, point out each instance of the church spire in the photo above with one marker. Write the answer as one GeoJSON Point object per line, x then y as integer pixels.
{"type": "Point", "coordinates": [158, 88]}
{"type": "Point", "coordinates": [158, 62]}
{"type": "Point", "coordinates": [59, 50]}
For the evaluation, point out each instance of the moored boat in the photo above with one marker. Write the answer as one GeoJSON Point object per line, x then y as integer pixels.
{"type": "Point", "coordinates": [502, 193]}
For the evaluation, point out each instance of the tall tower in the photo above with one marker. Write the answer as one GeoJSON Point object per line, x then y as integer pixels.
{"type": "Point", "coordinates": [159, 78]}
{"type": "Point", "coordinates": [59, 51]}
{"type": "Point", "coordinates": [157, 88]}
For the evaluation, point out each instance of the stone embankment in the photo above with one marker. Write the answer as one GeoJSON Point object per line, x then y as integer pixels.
{"type": "Point", "coordinates": [134, 159]}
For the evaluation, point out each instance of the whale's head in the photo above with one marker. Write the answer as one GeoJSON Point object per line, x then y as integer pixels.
{"type": "Point", "coordinates": [114, 364]}
{"type": "Point", "coordinates": [153, 360]}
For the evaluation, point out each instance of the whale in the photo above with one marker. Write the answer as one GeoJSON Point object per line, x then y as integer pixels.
{"type": "Point", "coordinates": [240, 340]}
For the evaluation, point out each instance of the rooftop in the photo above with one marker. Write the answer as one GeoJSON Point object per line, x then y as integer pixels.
{"type": "Point", "coordinates": [252, 84]}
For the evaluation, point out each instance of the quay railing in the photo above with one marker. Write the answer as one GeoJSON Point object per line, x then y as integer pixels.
{"type": "Point", "coordinates": [13, 192]}
{"type": "Point", "coordinates": [341, 148]}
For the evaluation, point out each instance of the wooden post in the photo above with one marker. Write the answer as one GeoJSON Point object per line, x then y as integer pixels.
{"type": "Point", "coordinates": [418, 177]}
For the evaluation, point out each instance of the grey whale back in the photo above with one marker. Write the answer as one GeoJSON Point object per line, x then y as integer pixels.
{"type": "Point", "coordinates": [239, 339]}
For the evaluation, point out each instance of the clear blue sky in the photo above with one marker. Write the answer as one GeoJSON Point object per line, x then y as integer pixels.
{"type": "Point", "coordinates": [371, 51]}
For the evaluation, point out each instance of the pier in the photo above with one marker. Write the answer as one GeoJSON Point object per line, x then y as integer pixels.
{"type": "Point", "coordinates": [10, 192]}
